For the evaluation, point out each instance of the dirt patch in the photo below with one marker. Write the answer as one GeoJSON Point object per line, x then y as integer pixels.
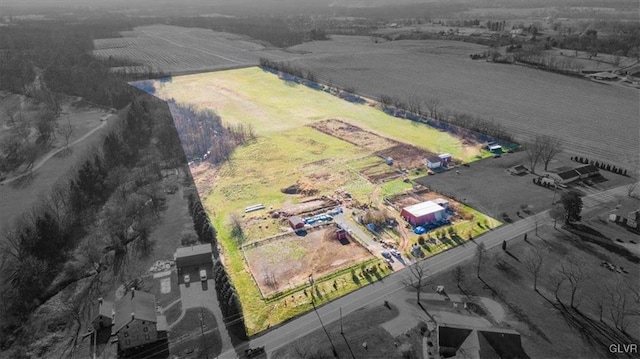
{"type": "Point", "coordinates": [406, 156]}
{"type": "Point", "coordinates": [354, 134]}
{"type": "Point", "coordinates": [288, 261]}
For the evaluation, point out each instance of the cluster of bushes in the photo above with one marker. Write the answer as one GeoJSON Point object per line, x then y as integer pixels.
{"type": "Point", "coordinates": [203, 227]}
{"type": "Point", "coordinates": [228, 300]}
{"type": "Point", "coordinates": [601, 165]}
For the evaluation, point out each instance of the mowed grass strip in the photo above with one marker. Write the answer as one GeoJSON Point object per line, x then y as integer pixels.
{"type": "Point", "coordinates": [254, 97]}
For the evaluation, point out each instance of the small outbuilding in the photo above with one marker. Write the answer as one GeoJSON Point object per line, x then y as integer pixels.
{"type": "Point", "coordinates": [494, 148]}
{"type": "Point", "coordinates": [565, 176]}
{"type": "Point", "coordinates": [445, 159]}
{"type": "Point", "coordinates": [104, 315]}
{"type": "Point", "coordinates": [587, 171]}
{"type": "Point", "coordinates": [296, 223]}
{"type": "Point", "coordinates": [193, 258]}
{"type": "Point", "coordinates": [423, 213]}
{"type": "Point", "coordinates": [433, 162]}
{"type": "Point", "coordinates": [517, 170]}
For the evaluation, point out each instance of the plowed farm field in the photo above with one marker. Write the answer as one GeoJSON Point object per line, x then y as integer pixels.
{"type": "Point", "coordinates": [594, 120]}
{"type": "Point", "coordinates": [178, 50]}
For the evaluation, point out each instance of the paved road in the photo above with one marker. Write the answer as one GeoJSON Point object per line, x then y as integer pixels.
{"type": "Point", "coordinates": [376, 292]}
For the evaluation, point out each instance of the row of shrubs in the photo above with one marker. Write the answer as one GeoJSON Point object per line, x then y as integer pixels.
{"type": "Point", "coordinates": [225, 291]}
{"type": "Point", "coordinates": [601, 165]}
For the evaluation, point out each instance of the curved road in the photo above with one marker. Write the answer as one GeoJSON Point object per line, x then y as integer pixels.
{"type": "Point", "coordinates": [50, 155]}
{"type": "Point", "coordinates": [377, 291]}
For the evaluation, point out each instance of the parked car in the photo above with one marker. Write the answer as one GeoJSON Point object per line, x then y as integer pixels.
{"type": "Point", "coordinates": [386, 254]}
{"type": "Point", "coordinates": [203, 275]}
{"type": "Point", "coordinates": [187, 279]}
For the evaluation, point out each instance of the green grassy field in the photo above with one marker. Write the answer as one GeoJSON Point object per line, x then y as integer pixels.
{"type": "Point", "coordinates": [286, 152]}
{"type": "Point", "coordinates": [240, 96]}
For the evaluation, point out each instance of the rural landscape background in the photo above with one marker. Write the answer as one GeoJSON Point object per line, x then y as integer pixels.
{"type": "Point", "coordinates": [289, 140]}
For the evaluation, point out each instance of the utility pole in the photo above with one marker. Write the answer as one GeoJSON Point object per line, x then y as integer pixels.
{"type": "Point", "coordinates": [341, 331]}
{"type": "Point", "coordinates": [206, 351]}
{"type": "Point", "coordinates": [335, 353]}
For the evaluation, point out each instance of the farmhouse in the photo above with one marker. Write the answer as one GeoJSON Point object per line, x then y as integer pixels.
{"type": "Point", "coordinates": [565, 177]}
{"type": "Point", "coordinates": [433, 162]}
{"type": "Point", "coordinates": [296, 223]}
{"type": "Point", "coordinates": [104, 315]}
{"type": "Point", "coordinates": [423, 213]}
{"type": "Point", "coordinates": [469, 342]}
{"type": "Point", "coordinates": [587, 171]}
{"type": "Point", "coordinates": [193, 258]}
{"type": "Point", "coordinates": [136, 322]}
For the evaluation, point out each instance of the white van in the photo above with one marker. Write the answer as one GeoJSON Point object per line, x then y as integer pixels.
{"type": "Point", "coordinates": [203, 275]}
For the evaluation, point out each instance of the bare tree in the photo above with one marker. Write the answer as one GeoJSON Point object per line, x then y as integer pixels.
{"type": "Point", "coordinates": [414, 104]}
{"type": "Point", "coordinates": [480, 249]}
{"type": "Point", "coordinates": [534, 151]}
{"type": "Point", "coordinates": [459, 275]}
{"type": "Point", "coordinates": [417, 277]}
{"type": "Point", "coordinates": [575, 275]}
{"type": "Point", "coordinates": [620, 310]}
{"type": "Point", "coordinates": [533, 264]}
{"type": "Point", "coordinates": [631, 188]}
{"type": "Point", "coordinates": [66, 130]}
{"type": "Point", "coordinates": [550, 147]}
{"type": "Point", "coordinates": [432, 105]}
{"type": "Point", "coordinates": [556, 281]}
{"type": "Point", "coordinates": [237, 232]}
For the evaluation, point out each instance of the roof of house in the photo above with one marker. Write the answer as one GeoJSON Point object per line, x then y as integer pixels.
{"type": "Point", "coordinates": [568, 174]}
{"type": "Point", "coordinates": [423, 208]}
{"type": "Point", "coordinates": [434, 159]}
{"type": "Point", "coordinates": [295, 221]}
{"type": "Point", "coordinates": [104, 308]}
{"type": "Point", "coordinates": [135, 305]}
{"type": "Point", "coordinates": [494, 147]}
{"type": "Point", "coordinates": [193, 250]}
{"type": "Point", "coordinates": [519, 168]}
{"type": "Point", "coordinates": [482, 343]}
{"type": "Point", "coordinates": [587, 169]}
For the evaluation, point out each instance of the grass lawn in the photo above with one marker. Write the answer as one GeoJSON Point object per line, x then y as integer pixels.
{"type": "Point", "coordinates": [547, 330]}
{"type": "Point", "coordinates": [187, 334]}
{"type": "Point", "coordinates": [359, 327]}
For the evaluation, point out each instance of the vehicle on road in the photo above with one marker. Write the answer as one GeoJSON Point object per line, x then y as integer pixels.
{"type": "Point", "coordinates": [187, 279]}
{"type": "Point", "coordinates": [253, 352]}
{"type": "Point", "coordinates": [203, 275]}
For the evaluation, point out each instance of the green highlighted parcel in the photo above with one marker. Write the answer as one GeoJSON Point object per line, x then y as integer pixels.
{"type": "Point", "coordinates": [311, 149]}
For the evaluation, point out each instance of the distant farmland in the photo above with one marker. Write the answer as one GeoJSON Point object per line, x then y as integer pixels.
{"type": "Point", "coordinates": [181, 50]}
{"type": "Point", "coordinates": [595, 120]}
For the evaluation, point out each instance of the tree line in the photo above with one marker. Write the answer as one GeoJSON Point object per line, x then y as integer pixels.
{"type": "Point", "coordinates": [204, 137]}
{"type": "Point", "coordinates": [225, 291]}
{"type": "Point", "coordinates": [88, 225]}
